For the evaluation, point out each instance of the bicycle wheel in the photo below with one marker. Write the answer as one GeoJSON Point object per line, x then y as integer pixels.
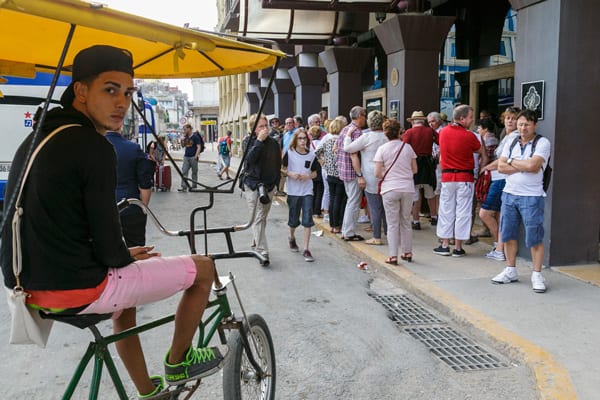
{"type": "Point", "coordinates": [240, 380]}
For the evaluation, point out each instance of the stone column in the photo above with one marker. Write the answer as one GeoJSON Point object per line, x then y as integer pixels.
{"type": "Point", "coordinates": [264, 76]}
{"type": "Point", "coordinates": [253, 93]}
{"type": "Point", "coordinates": [345, 66]}
{"type": "Point", "coordinates": [412, 44]}
{"type": "Point", "coordinates": [552, 52]}
{"type": "Point", "coordinates": [308, 78]}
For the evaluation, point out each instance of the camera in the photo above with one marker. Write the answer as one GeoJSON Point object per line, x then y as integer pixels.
{"type": "Point", "coordinates": [263, 194]}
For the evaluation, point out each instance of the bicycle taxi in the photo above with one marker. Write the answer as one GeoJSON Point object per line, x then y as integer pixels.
{"type": "Point", "coordinates": [44, 36]}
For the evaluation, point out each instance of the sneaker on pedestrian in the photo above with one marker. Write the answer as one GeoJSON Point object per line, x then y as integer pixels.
{"type": "Point", "coordinates": [538, 282]}
{"type": "Point", "coordinates": [181, 190]}
{"type": "Point", "coordinates": [198, 363]}
{"type": "Point", "coordinates": [293, 245]}
{"type": "Point", "coordinates": [434, 221]}
{"type": "Point", "coordinates": [307, 256]}
{"type": "Point", "coordinates": [496, 255]}
{"type": "Point", "coordinates": [508, 275]}
{"type": "Point", "coordinates": [416, 226]}
{"type": "Point", "coordinates": [159, 387]}
{"type": "Point", "coordinates": [458, 253]}
{"type": "Point", "coordinates": [363, 219]}
{"type": "Point", "coordinates": [442, 251]}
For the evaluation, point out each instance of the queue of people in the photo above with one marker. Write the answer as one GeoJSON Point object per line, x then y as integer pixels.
{"type": "Point", "coordinates": [327, 167]}
{"type": "Point", "coordinates": [435, 159]}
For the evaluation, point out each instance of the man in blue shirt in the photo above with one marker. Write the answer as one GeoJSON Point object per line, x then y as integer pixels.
{"type": "Point", "coordinates": [192, 148]}
{"type": "Point", "coordinates": [134, 180]}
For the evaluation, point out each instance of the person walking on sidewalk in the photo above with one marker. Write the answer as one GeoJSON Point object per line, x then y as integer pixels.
{"type": "Point", "coordinates": [457, 145]}
{"type": "Point", "coordinates": [262, 171]}
{"type": "Point", "coordinates": [395, 166]}
{"type": "Point", "coordinates": [192, 147]}
{"type": "Point", "coordinates": [523, 198]}
{"type": "Point", "coordinates": [224, 147]}
{"type": "Point", "coordinates": [74, 258]}
{"type": "Point", "coordinates": [300, 165]}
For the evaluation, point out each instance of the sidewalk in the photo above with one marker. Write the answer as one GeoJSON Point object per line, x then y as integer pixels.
{"type": "Point", "coordinates": [554, 333]}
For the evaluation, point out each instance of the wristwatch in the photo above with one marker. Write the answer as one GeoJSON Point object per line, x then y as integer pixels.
{"type": "Point", "coordinates": [358, 174]}
{"type": "Point", "coordinates": [509, 161]}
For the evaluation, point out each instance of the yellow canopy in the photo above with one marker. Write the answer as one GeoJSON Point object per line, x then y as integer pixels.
{"type": "Point", "coordinates": [33, 33]}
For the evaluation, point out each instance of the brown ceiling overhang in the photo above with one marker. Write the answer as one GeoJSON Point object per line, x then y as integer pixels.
{"type": "Point", "coordinates": [337, 5]}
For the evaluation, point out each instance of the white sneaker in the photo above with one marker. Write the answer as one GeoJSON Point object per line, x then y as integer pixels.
{"type": "Point", "coordinates": [363, 219]}
{"type": "Point", "coordinates": [508, 275]}
{"type": "Point", "coordinates": [537, 282]}
{"type": "Point", "coordinates": [496, 255]}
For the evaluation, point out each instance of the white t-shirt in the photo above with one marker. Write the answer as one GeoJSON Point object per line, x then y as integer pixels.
{"type": "Point", "coordinates": [303, 164]}
{"type": "Point", "coordinates": [527, 183]}
{"type": "Point", "coordinates": [400, 176]}
{"type": "Point", "coordinates": [496, 176]}
{"type": "Point", "coordinates": [367, 144]}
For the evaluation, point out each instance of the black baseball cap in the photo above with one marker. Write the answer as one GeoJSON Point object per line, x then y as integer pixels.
{"type": "Point", "coordinates": [93, 61]}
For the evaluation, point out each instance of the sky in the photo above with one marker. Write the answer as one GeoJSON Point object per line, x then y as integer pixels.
{"type": "Point", "coordinates": [200, 14]}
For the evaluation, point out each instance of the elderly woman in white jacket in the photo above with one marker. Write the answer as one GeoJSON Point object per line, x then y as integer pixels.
{"type": "Point", "coordinates": [367, 144]}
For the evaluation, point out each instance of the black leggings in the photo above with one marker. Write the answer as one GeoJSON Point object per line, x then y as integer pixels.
{"type": "Point", "coordinates": [337, 201]}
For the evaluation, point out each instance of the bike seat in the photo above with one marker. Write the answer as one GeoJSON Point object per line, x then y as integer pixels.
{"type": "Point", "coordinates": [81, 321]}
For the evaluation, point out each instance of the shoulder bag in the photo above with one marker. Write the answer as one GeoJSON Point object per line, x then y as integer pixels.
{"type": "Point", "coordinates": [388, 170]}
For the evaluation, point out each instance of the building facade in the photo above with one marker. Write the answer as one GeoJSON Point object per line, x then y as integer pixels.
{"type": "Point", "coordinates": [431, 54]}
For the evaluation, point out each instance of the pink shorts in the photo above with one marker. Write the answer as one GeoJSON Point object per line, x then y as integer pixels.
{"type": "Point", "coordinates": [143, 282]}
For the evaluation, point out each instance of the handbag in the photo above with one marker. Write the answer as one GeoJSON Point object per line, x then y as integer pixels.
{"type": "Point", "coordinates": [26, 325]}
{"type": "Point", "coordinates": [482, 185]}
{"type": "Point", "coordinates": [388, 170]}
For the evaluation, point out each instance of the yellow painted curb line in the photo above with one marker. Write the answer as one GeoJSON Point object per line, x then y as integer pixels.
{"type": "Point", "coordinates": [552, 379]}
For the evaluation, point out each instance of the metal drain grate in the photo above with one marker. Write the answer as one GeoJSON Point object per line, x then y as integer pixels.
{"type": "Point", "coordinates": [456, 350]}
{"type": "Point", "coordinates": [405, 311]}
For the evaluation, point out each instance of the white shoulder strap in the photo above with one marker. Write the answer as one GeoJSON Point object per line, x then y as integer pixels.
{"type": "Point", "coordinates": [16, 222]}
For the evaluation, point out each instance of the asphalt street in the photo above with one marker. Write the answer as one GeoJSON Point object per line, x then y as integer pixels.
{"type": "Point", "coordinates": [332, 340]}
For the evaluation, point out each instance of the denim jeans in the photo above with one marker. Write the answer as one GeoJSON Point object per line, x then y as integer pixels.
{"type": "Point", "coordinates": [377, 212]}
{"type": "Point", "coordinates": [530, 210]}
{"type": "Point", "coordinates": [297, 204]}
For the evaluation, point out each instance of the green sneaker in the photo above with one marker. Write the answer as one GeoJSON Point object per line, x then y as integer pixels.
{"type": "Point", "coordinates": [198, 364]}
{"type": "Point", "coordinates": [159, 386]}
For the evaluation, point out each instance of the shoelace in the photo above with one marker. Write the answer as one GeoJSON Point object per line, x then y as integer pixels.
{"type": "Point", "coordinates": [202, 355]}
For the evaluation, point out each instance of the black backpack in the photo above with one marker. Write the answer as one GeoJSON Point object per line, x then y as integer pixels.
{"type": "Point", "coordinates": [547, 171]}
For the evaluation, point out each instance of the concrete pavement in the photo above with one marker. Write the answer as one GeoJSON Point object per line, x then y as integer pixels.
{"type": "Point", "coordinates": [554, 333]}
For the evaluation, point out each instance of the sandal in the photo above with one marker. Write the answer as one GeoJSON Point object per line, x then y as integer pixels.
{"type": "Point", "coordinates": [393, 260]}
{"type": "Point", "coordinates": [368, 229]}
{"type": "Point", "coordinates": [406, 257]}
{"type": "Point", "coordinates": [374, 241]}
{"type": "Point", "coordinates": [353, 238]}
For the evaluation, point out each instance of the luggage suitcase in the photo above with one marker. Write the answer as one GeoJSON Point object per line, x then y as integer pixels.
{"type": "Point", "coordinates": [162, 179]}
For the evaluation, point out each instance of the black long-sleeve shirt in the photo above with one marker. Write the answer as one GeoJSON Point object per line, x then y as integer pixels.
{"type": "Point", "coordinates": [70, 229]}
{"type": "Point", "coordinates": [263, 163]}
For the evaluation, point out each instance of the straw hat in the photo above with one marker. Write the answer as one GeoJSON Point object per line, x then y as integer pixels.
{"type": "Point", "coordinates": [416, 115]}
{"type": "Point", "coordinates": [444, 117]}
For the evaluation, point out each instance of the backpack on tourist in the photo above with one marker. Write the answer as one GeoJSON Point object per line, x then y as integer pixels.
{"type": "Point", "coordinates": [223, 150]}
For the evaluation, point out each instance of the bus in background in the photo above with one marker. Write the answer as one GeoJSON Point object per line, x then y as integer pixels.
{"type": "Point", "coordinates": [19, 100]}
